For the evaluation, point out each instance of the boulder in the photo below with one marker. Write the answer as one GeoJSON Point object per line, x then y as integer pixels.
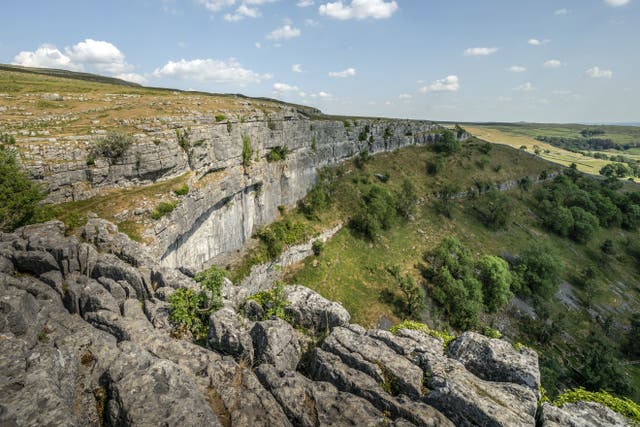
{"type": "Point", "coordinates": [312, 311]}
{"type": "Point", "coordinates": [580, 414]}
{"type": "Point", "coordinates": [496, 360]}
{"type": "Point", "coordinates": [311, 403]}
{"type": "Point", "coordinates": [228, 335]}
{"type": "Point", "coordinates": [275, 342]}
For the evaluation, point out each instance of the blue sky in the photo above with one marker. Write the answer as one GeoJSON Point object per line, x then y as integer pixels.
{"type": "Point", "coordinates": [460, 60]}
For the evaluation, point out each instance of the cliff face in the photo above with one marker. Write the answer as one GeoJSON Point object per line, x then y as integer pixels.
{"type": "Point", "coordinates": [85, 340]}
{"type": "Point", "coordinates": [228, 199]}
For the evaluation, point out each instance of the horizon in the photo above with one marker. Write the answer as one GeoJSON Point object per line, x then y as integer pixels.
{"type": "Point", "coordinates": [548, 62]}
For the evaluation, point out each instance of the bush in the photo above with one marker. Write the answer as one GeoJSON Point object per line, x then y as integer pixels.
{"type": "Point", "coordinates": [7, 139]}
{"type": "Point", "coordinates": [435, 166]}
{"type": "Point", "coordinates": [447, 193]}
{"type": "Point", "coordinates": [317, 247]}
{"type": "Point", "coordinates": [319, 197]}
{"type": "Point", "coordinates": [377, 213]}
{"type": "Point", "coordinates": [407, 199]}
{"type": "Point", "coordinates": [538, 271]}
{"type": "Point", "coordinates": [491, 333]}
{"type": "Point", "coordinates": [455, 286]}
{"type": "Point", "coordinates": [163, 208]}
{"type": "Point", "coordinates": [112, 147]}
{"type": "Point", "coordinates": [247, 151]}
{"type": "Point", "coordinates": [362, 159]}
{"type": "Point", "coordinates": [495, 277]}
{"type": "Point", "coordinates": [183, 190]}
{"type": "Point", "coordinates": [273, 301]}
{"type": "Point", "coordinates": [191, 309]}
{"type": "Point", "coordinates": [278, 153]}
{"type": "Point", "coordinates": [414, 295]}
{"type": "Point", "coordinates": [220, 118]}
{"type": "Point", "coordinates": [446, 143]}
{"type": "Point", "coordinates": [493, 209]}
{"type": "Point", "coordinates": [19, 196]}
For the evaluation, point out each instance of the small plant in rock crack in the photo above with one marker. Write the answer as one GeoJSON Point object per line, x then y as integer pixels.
{"type": "Point", "coordinates": [190, 309]}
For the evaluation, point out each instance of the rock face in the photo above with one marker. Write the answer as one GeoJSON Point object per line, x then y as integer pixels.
{"type": "Point", "coordinates": [85, 340]}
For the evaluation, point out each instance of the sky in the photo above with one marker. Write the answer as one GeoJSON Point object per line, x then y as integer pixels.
{"type": "Point", "coordinates": [456, 60]}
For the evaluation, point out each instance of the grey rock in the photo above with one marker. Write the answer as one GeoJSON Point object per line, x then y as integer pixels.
{"type": "Point", "coordinates": [580, 414]}
{"type": "Point", "coordinates": [312, 311]}
{"type": "Point", "coordinates": [309, 404]}
{"type": "Point", "coordinates": [375, 358]}
{"type": "Point", "coordinates": [112, 267]}
{"type": "Point", "coordinates": [149, 391]}
{"type": "Point", "coordinates": [252, 310]}
{"type": "Point", "coordinates": [94, 297]}
{"type": "Point", "coordinates": [468, 400]}
{"type": "Point", "coordinates": [6, 266]}
{"type": "Point", "coordinates": [34, 262]}
{"type": "Point", "coordinates": [228, 335]}
{"type": "Point", "coordinates": [496, 360]}
{"type": "Point", "coordinates": [275, 342]}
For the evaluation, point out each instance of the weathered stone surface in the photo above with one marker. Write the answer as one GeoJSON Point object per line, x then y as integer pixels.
{"type": "Point", "coordinates": [468, 400]}
{"type": "Point", "coordinates": [580, 414]}
{"type": "Point", "coordinates": [112, 267]}
{"type": "Point", "coordinates": [309, 403]}
{"type": "Point", "coordinates": [149, 391]}
{"type": "Point", "coordinates": [376, 359]}
{"type": "Point", "coordinates": [312, 311]}
{"type": "Point", "coordinates": [275, 342]}
{"type": "Point", "coordinates": [34, 262]}
{"type": "Point", "coordinates": [229, 335]}
{"type": "Point", "coordinates": [496, 360]}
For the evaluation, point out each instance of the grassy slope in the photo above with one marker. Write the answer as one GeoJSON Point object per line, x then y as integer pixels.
{"type": "Point", "coordinates": [352, 270]}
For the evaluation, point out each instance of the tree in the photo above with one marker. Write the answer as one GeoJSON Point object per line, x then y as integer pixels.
{"type": "Point", "coordinates": [407, 199]}
{"type": "Point", "coordinates": [446, 195]}
{"type": "Point", "coordinates": [495, 277]}
{"type": "Point", "coordinates": [493, 209]}
{"type": "Point", "coordinates": [584, 224]}
{"type": "Point", "coordinates": [632, 341]}
{"type": "Point", "coordinates": [455, 286]}
{"type": "Point", "coordinates": [377, 213]}
{"type": "Point", "coordinates": [414, 294]}
{"type": "Point", "coordinates": [19, 196]}
{"type": "Point", "coordinates": [538, 270]}
{"type": "Point", "coordinates": [446, 143]}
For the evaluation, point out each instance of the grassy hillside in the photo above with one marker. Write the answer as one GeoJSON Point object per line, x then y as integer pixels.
{"type": "Point", "coordinates": [355, 270]}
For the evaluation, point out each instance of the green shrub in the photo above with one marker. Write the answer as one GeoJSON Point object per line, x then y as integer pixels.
{"type": "Point", "coordinates": [538, 271]}
{"type": "Point", "coordinates": [362, 159]}
{"type": "Point", "coordinates": [445, 336]}
{"type": "Point", "coordinates": [446, 143]}
{"type": "Point", "coordinates": [493, 209]}
{"type": "Point", "coordinates": [183, 190]}
{"type": "Point", "coordinates": [7, 139]}
{"type": "Point", "coordinates": [407, 199]}
{"type": "Point", "coordinates": [113, 146]}
{"type": "Point", "coordinates": [435, 166]}
{"type": "Point", "coordinates": [277, 153]}
{"type": "Point", "coordinates": [414, 294]}
{"type": "Point", "coordinates": [346, 124]}
{"type": "Point", "coordinates": [191, 309]}
{"type": "Point", "coordinates": [273, 301]}
{"type": "Point", "coordinates": [220, 118]}
{"type": "Point", "coordinates": [247, 151]}
{"type": "Point", "coordinates": [317, 247]}
{"type": "Point", "coordinates": [495, 277]}
{"type": "Point", "coordinates": [19, 196]}
{"type": "Point", "coordinates": [623, 406]}
{"type": "Point", "coordinates": [387, 133]}
{"type": "Point", "coordinates": [488, 331]}
{"type": "Point", "coordinates": [362, 136]}
{"type": "Point", "coordinates": [229, 127]}
{"type": "Point", "coordinates": [378, 212]}
{"type": "Point", "coordinates": [163, 208]}
{"type": "Point", "coordinates": [314, 144]}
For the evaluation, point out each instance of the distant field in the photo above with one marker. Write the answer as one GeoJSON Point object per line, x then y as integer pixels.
{"type": "Point", "coordinates": [518, 136]}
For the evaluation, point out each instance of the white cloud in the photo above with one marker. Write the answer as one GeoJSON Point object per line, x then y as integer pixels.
{"type": "Point", "coordinates": [258, 45]}
{"type": "Point", "coordinates": [517, 69]}
{"type": "Point", "coordinates": [133, 77]}
{"type": "Point", "coordinates": [243, 11]}
{"type": "Point", "coordinates": [216, 5]}
{"type": "Point", "coordinates": [310, 22]}
{"type": "Point", "coordinates": [284, 33]}
{"type": "Point", "coordinates": [405, 96]}
{"type": "Point", "coordinates": [305, 3]}
{"type": "Point", "coordinates": [537, 42]}
{"type": "Point", "coordinates": [560, 12]}
{"type": "Point", "coordinates": [552, 63]}
{"type": "Point", "coordinates": [210, 70]}
{"type": "Point", "coordinates": [296, 68]}
{"type": "Point", "coordinates": [283, 87]}
{"type": "Point", "coordinates": [480, 51]}
{"type": "Point", "coordinates": [448, 84]}
{"type": "Point", "coordinates": [46, 56]}
{"type": "Point", "coordinates": [96, 55]}
{"type": "Point", "coordinates": [349, 72]}
{"type": "Point", "coordinates": [597, 73]}
{"type": "Point", "coordinates": [359, 9]}
{"type": "Point", "coordinates": [616, 3]}
{"type": "Point", "coordinates": [561, 92]}
{"type": "Point", "coordinates": [527, 87]}
{"type": "Point", "coordinates": [321, 94]}
{"type": "Point", "coordinates": [102, 55]}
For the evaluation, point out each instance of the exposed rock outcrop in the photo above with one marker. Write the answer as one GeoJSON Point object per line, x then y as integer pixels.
{"type": "Point", "coordinates": [85, 340]}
